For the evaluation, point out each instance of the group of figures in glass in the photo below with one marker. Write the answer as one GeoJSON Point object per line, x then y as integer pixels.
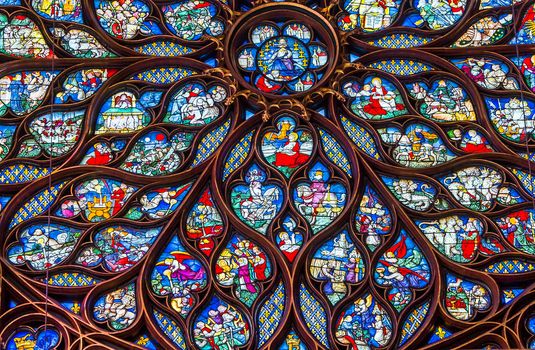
{"type": "Point", "coordinates": [280, 175]}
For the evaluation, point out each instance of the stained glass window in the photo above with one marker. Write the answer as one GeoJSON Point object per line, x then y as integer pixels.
{"type": "Point", "coordinates": [238, 174]}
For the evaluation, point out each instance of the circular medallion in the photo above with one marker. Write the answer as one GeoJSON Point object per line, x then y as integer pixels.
{"type": "Point", "coordinates": [281, 50]}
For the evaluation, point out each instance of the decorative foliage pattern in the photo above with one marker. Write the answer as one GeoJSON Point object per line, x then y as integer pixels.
{"type": "Point", "coordinates": [239, 174]}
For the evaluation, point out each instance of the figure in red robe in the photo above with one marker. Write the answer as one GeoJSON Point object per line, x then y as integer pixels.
{"type": "Point", "coordinates": [117, 196]}
{"type": "Point", "coordinates": [100, 156]}
{"type": "Point", "coordinates": [382, 101]}
{"type": "Point", "coordinates": [267, 86]}
{"type": "Point", "coordinates": [528, 70]}
{"type": "Point", "coordinates": [290, 155]}
{"type": "Point", "coordinates": [475, 143]}
{"type": "Point", "coordinates": [469, 244]}
{"type": "Point", "coordinates": [457, 7]}
{"type": "Point", "coordinates": [260, 268]}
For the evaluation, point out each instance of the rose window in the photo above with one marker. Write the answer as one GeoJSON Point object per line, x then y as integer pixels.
{"type": "Point", "coordinates": [206, 174]}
